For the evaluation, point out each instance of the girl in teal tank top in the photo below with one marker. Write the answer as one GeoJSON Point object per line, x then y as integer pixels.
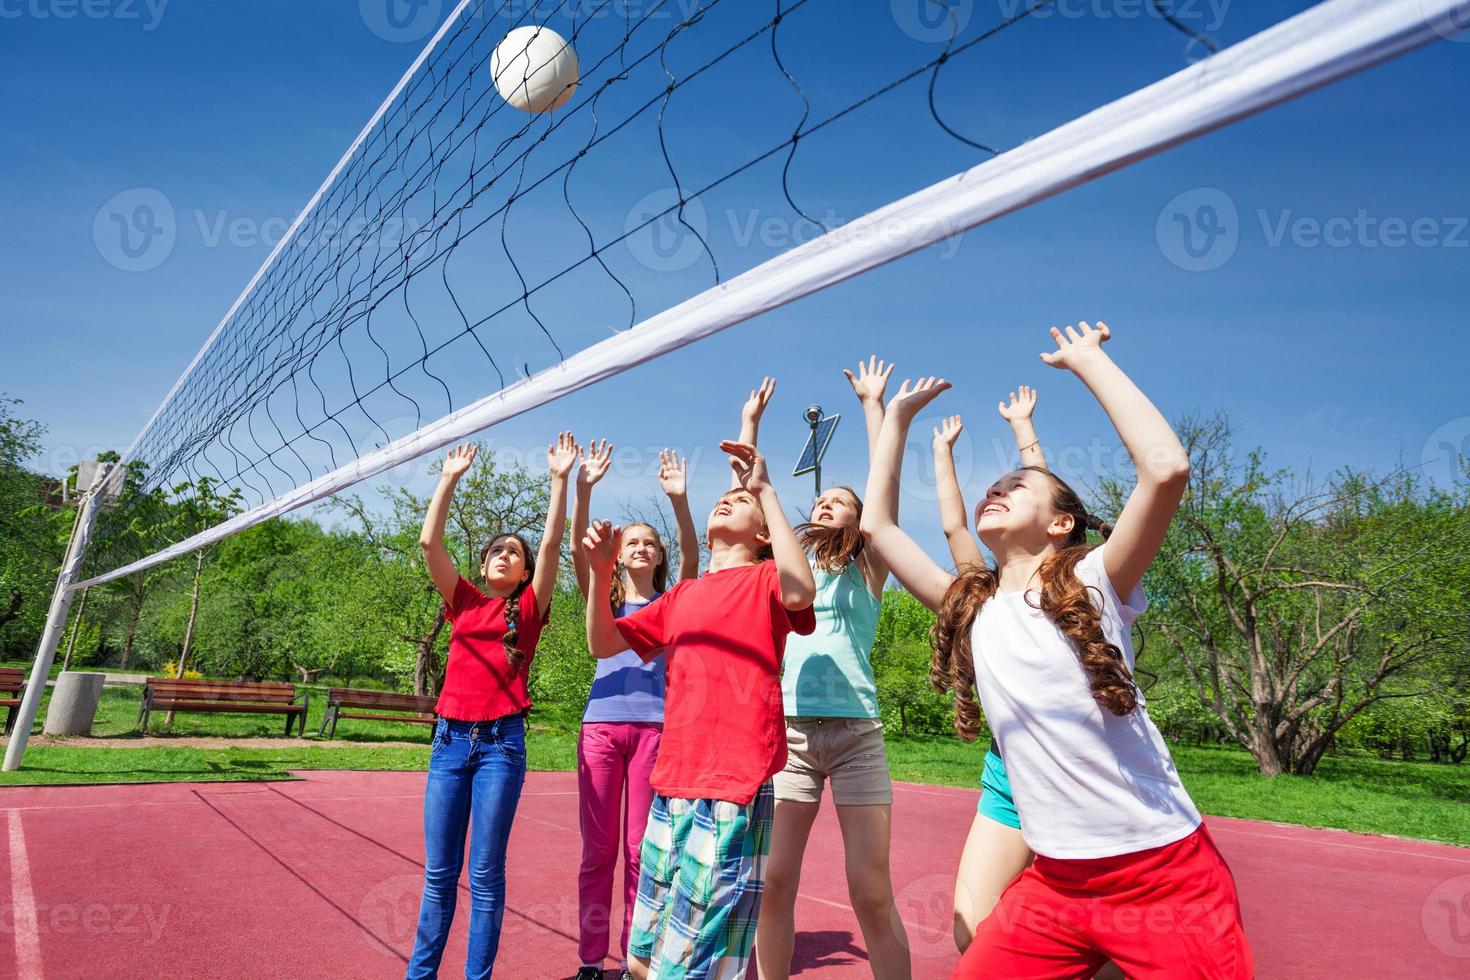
{"type": "Point", "coordinates": [833, 731]}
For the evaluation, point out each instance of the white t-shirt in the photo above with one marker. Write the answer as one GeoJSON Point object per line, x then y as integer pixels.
{"type": "Point", "coordinates": [1087, 783]}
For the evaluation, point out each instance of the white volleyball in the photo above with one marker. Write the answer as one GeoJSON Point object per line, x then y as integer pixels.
{"type": "Point", "coordinates": [535, 69]}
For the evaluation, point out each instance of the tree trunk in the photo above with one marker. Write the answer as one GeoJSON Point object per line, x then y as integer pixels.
{"type": "Point", "coordinates": [1263, 746]}
{"type": "Point", "coordinates": [71, 642]}
{"type": "Point", "coordinates": [424, 667]}
{"type": "Point", "coordinates": [189, 628]}
{"type": "Point", "coordinates": [132, 633]}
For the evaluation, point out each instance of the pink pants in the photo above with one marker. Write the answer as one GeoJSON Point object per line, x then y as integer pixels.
{"type": "Point", "coordinates": [610, 756]}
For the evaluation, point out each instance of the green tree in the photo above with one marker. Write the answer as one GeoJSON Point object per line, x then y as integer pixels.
{"type": "Point", "coordinates": [32, 533]}
{"type": "Point", "coordinates": [1295, 608]}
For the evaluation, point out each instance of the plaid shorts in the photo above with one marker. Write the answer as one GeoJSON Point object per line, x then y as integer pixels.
{"type": "Point", "coordinates": [699, 891]}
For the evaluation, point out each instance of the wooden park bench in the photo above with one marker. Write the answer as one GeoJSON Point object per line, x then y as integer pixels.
{"type": "Point", "coordinates": [236, 697]}
{"type": "Point", "coordinates": [12, 683]}
{"type": "Point", "coordinates": [421, 708]}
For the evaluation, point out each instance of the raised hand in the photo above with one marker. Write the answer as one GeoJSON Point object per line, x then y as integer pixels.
{"type": "Point", "coordinates": [595, 461]}
{"type": "Point", "coordinates": [1021, 406]}
{"type": "Point", "coordinates": [562, 455]}
{"type": "Point", "coordinates": [673, 473]}
{"type": "Point", "coordinates": [459, 460]}
{"type": "Point", "coordinates": [914, 395]}
{"type": "Point", "coordinates": [755, 405]}
{"type": "Point", "coordinates": [946, 432]}
{"type": "Point", "coordinates": [600, 545]}
{"type": "Point", "coordinates": [1076, 345]}
{"type": "Point", "coordinates": [749, 465]}
{"type": "Point", "coordinates": [871, 380]}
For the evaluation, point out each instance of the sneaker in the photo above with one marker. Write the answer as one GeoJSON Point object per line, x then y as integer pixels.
{"type": "Point", "coordinates": [625, 975]}
{"type": "Point", "coordinates": [590, 973]}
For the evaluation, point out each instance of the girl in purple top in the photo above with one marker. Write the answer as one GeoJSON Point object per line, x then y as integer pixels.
{"type": "Point", "coordinates": [625, 711]}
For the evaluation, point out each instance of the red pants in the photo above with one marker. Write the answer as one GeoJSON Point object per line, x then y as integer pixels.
{"type": "Point", "coordinates": [1170, 911]}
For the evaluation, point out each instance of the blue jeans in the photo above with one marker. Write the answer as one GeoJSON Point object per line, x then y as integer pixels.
{"type": "Point", "coordinates": [476, 771]}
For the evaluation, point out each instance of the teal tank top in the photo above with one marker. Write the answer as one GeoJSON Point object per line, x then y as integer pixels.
{"type": "Point", "coordinates": [829, 674]}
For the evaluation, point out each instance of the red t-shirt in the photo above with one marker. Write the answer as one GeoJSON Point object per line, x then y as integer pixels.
{"type": "Point", "coordinates": [723, 637]}
{"type": "Point", "coordinates": [479, 683]}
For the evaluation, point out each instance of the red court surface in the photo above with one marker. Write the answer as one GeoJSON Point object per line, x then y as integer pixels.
{"type": "Point", "coordinates": [321, 878]}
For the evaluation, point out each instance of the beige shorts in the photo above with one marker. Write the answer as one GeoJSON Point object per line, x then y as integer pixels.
{"type": "Point", "coordinates": [848, 751]}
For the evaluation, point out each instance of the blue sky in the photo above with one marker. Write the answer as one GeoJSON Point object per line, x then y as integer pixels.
{"type": "Point", "coordinates": [1329, 334]}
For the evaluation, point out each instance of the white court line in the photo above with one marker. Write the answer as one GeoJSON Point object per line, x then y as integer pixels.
{"type": "Point", "coordinates": [23, 906]}
{"type": "Point", "coordinates": [1217, 828]}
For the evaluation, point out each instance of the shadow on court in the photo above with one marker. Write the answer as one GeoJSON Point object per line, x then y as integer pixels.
{"type": "Point", "coordinates": [322, 877]}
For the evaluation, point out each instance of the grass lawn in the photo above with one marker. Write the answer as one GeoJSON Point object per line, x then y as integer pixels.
{"type": "Point", "coordinates": [1408, 799]}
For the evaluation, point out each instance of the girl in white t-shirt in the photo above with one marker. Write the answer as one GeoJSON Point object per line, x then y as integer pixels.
{"type": "Point", "coordinates": [1124, 869]}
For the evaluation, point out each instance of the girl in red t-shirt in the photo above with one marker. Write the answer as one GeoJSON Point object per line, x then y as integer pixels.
{"type": "Point", "coordinates": [477, 763]}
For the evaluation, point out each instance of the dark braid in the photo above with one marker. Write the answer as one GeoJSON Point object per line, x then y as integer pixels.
{"type": "Point", "coordinates": [513, 653]}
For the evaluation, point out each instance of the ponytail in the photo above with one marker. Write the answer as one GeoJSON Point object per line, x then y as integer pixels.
{"type": "Point", "coordinates": [952, 667]}
{"type": "Point", "coordinates": [1064, 600]}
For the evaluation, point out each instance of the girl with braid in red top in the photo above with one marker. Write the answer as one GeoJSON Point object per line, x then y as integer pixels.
{"type": "Point", "coordinates": [477, 762]}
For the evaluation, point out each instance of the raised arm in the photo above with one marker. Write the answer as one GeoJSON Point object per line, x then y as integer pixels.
{"type": "Point", "coordinates": [952, 514]}
{"type": "Point", "coordinates": [1161, 461]}
{"type": "Point", "coordinates": [750, 418]}
{"type": "Point", "coordinates": [673, 476]}
{"type": "Point", "coordinates": [1018, 414]}
{"type": "Point", "coordinates": [600, 549]}
{"type": "Point", "coordinates": [594, 463]}
{"type": "Point", "coordinates": [561, 456]}
{"type": "Point", "coordinates": [431, 538]}
{"type": "Point", "coordinates": [869, 384]}
{"type": "Point", "coordinates": [798, 587]}
{"type": "Point", "coordinates": [915, 570]}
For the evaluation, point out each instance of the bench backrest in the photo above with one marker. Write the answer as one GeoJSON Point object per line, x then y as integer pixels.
{"type": "Point", "coordinates": [208, 690]}
{"type": "Point", "coordinates": [12, 679]}
{"type": "Point", "coordinates": [350, 697]}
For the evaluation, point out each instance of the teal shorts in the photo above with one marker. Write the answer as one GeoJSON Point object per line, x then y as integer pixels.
{"type": "Point", "coordinates": [995, 792]}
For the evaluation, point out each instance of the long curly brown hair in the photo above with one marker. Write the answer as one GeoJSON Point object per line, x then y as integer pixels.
{"type": "Point", "coordinates": [833, 548]}
{"type": "Point", "coordinates": [1065, 601]}
{"type": "Point", "coordinates": [513, 601]}
{"type": "Point", "coordinates": [619, 591]}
